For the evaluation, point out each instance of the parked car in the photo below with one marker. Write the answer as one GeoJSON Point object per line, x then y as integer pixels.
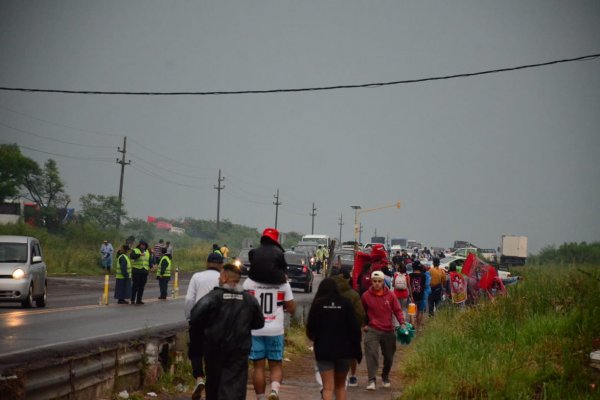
{"type": "Point", "coordinates": [23, 273]}
{"type": "Point", "coordinates": [243, 261]}
{"type": "Point", "coordinates": [308, 248]}
{"type": "Point", "coordinates": [298, 272]}
{"type": "Point", "coordinates": [457, 261]}
{"type": "Point", "coordinates": [346, 258]}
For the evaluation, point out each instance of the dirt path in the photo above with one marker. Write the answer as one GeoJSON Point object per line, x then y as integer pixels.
{"type": "Point", "coordinates": [299, 382]}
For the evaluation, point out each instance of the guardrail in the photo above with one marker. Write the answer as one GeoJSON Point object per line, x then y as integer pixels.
{"type": "Point", "coordinates": [94, 374]}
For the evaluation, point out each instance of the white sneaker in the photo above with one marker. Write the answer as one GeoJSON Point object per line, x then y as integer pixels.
{"type": "Point", "coordinates": [371, 385]}
{"type": "Point", "coordinates": [387, 384]}
{"type": "Point", "coordinates": [273, 395]}
{"type": "Point", "coordinates": [197, 394]}
{"type": "Point", "coordinates": [352, 381]}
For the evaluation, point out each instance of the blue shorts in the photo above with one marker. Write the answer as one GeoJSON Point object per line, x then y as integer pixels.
{"type": "Point", "coordinates": [421, 305]}
{"type": "Point", "coordinates": [269, 347]}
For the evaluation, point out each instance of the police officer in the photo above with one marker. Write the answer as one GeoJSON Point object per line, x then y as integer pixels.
{"type": "Point", "coordinates": [123, 275]}
{"type": "Point", "coordinates": [320, 256]}
{"type": "Point", "coordinates": [140, 266]}
{"type": "Point", "coordinates": [163, 274]}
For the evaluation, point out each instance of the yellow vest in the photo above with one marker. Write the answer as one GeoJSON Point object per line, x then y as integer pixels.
{"type": "Point", "coordinates": [142, 261]}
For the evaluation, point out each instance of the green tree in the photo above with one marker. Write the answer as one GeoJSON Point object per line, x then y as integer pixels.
{"type": "Point", "coordinates": [47, 189]}
{"type": "Point", "coordinates": [101, 210]}
{"type": "Point", "coordinates": [14, 169]}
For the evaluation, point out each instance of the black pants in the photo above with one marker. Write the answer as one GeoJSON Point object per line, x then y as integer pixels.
{"type": "Point", "coordinates": [434, 299]}
{"type": "Point", "coordinates": [139, 277]}
{"type": "Point", "coordinates": [195, 353]}
{"type": "Point", "coordinates": [226, 375]}
{"type": "Point", "coordinates": [163, 284]}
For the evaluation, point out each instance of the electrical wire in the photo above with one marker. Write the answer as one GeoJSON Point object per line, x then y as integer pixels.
{"type": "Point", "coordinates": [64, 155]}
{"type": "Point", "coordinates": [59, 124]}
{"type": "Point", "coordinates": [100, 146]}
{"type": "Point", "coordinates": [306, 89]}
{"type": "Point", "coordinates": [162, 178]}
{"type": "Point", "coordinates": [140, 159]}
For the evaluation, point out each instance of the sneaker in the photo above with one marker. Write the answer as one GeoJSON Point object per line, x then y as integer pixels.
{"type": "Point", "coordinates": [352, 381]}
{"type": "Point", "coordinates": [197, 393]}
{"type": "Point", "coordinates": [387, 383]}
{"type": "Point", "coordinates": [371, 385]}
{"type": "Point", "coordinates": [273, 395]}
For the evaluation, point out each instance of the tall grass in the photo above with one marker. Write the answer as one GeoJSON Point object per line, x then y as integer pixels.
{"type": "Point", "coordinates": [76, 249]}
{"type": "Point", "coordinates": [535, 343]}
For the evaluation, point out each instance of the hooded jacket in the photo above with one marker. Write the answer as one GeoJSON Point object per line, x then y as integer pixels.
{"type": "Point", "coordinates": [379, 309]}
{"type": "Point", "coordinates": [346, 291]}
{"type": "Point", "coordinates": [225, 317]}
{"type": "Point", "coordinates": [267, 263]}
{"type": "Point", "coordinates": [331, 324]}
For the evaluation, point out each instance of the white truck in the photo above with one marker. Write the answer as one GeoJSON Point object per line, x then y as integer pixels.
{"type": "Point", "coordinates": [513, 250]}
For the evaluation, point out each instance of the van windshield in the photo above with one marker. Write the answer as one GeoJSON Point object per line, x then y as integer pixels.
{"type": "Point", "coordinates": [398, 242]}
{"type": "Point", "coordinates": [13, 252]}
{"type": "Point", "coordinates": [318, 240]}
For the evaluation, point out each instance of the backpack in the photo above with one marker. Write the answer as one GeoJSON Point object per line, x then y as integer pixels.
{"type": "Point", "coordinates": [417, 283]}
{"type": "Point", "coordinates": [400, 284]}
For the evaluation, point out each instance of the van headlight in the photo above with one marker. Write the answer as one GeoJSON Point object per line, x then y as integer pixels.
{"type": "Point", "coordinates": [18, 274]}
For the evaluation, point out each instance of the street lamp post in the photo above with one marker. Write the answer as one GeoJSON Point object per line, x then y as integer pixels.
{"type": "Point", "coordinates": [359, 210]}
{"type": "Point", "coordinates": [356, 208]}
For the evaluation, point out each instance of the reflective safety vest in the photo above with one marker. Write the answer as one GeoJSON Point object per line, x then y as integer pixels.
{"type": "Point", "coordinates": [119, 274]}
{"type": "Point", "coordinates": [142, 261]}
{"type": "Point", "coordinates": [167, 270]}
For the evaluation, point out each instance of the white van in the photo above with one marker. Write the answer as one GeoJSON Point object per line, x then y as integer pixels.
{"type": "Point", "coordinates": [322, 240]}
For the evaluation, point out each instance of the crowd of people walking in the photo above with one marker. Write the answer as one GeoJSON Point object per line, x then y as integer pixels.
{"type": "Point", "coordinates": [351, 316]}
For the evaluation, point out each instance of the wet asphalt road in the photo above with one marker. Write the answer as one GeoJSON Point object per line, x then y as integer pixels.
{"type": "Point", "coordinates": [73, 316]}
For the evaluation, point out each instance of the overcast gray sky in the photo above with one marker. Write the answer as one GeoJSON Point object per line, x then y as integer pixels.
{"type": "Point", "coordinates": [469, 158]}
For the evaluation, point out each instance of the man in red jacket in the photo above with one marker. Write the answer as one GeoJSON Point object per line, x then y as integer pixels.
{"type": "Point", "coordinates": [380, 304]}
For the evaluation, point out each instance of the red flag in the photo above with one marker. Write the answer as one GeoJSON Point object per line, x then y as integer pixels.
{"type": "Point", "coordinates": [360, 259]}
{"type": "Point", "coordinates": [481, 274]}
{"type": "Point", "coordinates": [468, 265]}
{"type": "Point", "coordinates": [151, 219]}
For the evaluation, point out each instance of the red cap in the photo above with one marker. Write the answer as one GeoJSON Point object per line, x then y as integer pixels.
{"type": "Point", "coordinates": [272, 234]}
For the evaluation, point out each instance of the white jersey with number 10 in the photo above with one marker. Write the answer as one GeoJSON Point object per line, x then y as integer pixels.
{"type": "Point", "coordinates": [271, 299]}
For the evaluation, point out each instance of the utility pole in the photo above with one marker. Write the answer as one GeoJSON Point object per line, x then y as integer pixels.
{"type": "Point", "coordinates": [313, 214]}
{"type": "Point", "coordinates": [219, 188]}
{"type": "Point", "coordinates": [340, 224]}
{"type": "Point", "coordinates": [123, 164]}
{"type": "Point", "coordinates": [276, 203]}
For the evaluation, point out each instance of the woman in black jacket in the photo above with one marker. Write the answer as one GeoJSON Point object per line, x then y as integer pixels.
{"type": "Point", "coordinates": [333, 328]}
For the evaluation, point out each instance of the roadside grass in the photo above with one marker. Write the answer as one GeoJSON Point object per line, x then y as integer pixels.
{"type": "Point", "coordinates": [296, 341]}
{"type": "Point", "coordinates": [178, 379]}
{"type": "Point", "coordinates": [76, 251]}
{"type": "Point", "coordinates": [532, 344]}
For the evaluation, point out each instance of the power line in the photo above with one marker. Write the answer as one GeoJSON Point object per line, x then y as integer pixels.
{"type": "Point", "coordinates": [307, 89]}
{"type": "Point", "coordinates": [59, 124]}
{"type": "Point", "coordinates": [162, 178]}
{"type": "Point", "coordinates": [140, 159]}
{"type": "Point", "coordinates": [53, 139]}
{"type": "Point", "coordinates": [65, 155]}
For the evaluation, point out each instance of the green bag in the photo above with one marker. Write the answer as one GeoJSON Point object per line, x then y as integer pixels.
{"type": "Point", "coordinates": [404, 336]}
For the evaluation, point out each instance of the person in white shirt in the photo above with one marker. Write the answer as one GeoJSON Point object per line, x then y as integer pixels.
{"type": "Point", "coordinates": [267, 342]}
{"type": "Point", "coordinates": [200, 285]}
